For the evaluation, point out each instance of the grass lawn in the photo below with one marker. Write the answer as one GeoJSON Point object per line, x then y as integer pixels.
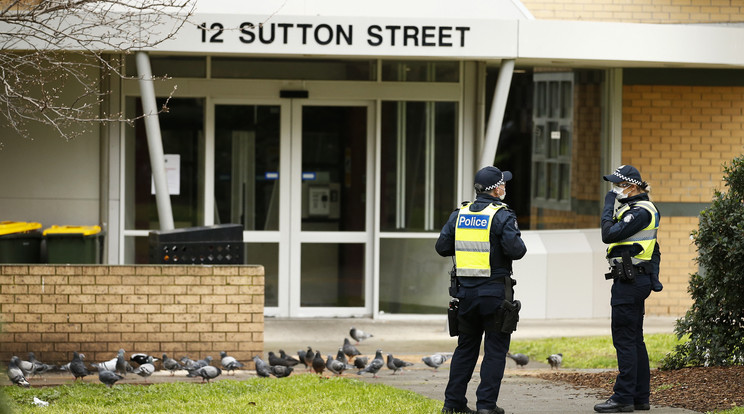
{"type": "Point", "coordinates": [591, 352]}
{"type": "Point", "coordinates": [305, 393]}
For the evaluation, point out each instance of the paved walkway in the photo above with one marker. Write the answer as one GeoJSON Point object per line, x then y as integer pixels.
{"type": "Point", "coordinates": [411, 339]}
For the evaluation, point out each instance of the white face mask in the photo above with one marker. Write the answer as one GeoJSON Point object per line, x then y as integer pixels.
{"type": "Point", "coordinates": [620, 191]}
{"type": "Point", "coordinates": [503, 196]}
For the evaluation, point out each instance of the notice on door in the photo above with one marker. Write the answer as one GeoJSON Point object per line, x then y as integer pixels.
{"type": "Point", "coordinates": [172, 174]}
{"type": "Point", "coordinates": [319, 201]}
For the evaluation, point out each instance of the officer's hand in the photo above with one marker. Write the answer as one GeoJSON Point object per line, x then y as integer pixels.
{"type": "Point", "coordinates": [610, 198]}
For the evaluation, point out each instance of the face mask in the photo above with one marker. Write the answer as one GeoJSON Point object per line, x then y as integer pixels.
{"type": "Point", "coordinates": [503, 196]}
{"type": "Point", "coordinates": [619, 191]}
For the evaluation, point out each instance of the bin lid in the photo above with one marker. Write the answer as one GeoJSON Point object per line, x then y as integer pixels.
{"type": "Point", "coordinates": [72, 230]}
{"type": "Point", "coordinates": [10, 227]}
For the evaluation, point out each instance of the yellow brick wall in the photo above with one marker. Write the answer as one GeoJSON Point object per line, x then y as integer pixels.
{"type": "Point", "coordinates": [679, 137]}
{"type": "Point", "coordinates": [180, 310]}
{"type": "Point", "coordinates": [638, 11]}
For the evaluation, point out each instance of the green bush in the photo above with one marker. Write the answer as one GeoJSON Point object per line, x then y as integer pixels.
{"type": "Point", "coordinates": [715, 322]}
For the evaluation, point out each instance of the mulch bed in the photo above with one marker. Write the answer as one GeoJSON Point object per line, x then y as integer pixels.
{"type": "Point", "coordinates": [698, 389]}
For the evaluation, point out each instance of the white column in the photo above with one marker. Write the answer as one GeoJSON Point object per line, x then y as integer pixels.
{"type": "Point", "coordinates": [496, 117]}
{"type": "Point", "coordinates": [154, 142]}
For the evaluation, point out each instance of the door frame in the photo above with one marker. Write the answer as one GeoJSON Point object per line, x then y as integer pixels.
{"type": "Point", "coordinates": [295, 228]}
{"type": "Point", "coordinates": [290, 235]}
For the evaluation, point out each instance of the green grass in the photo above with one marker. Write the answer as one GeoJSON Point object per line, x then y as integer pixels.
{"type": "Point", "coordinates": [591, 352]}
{"type": "Point", "coordinates": [737, 410]}
{"type": "Point", "coordinates": [305, 393]}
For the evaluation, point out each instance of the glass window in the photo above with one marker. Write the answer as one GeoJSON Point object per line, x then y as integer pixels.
{"type": "Point", "coordinates": [550, 140]}
{"type": "Point", "coordinates": [419, 153]}
{"type": "Point", "coordinates": [332, 274]}
{"type": "Point", "coordinates": [182, 133]}
{"type": "Point", "coordinates": [420, 71]}
{"type": "Point", "coordinates": [334, 168]}
{"type": "Point", "coordinates": [413, 278]}
{"type": "Point", "coordinates": [171, 66]}
{"type": "Point", "coordinates": [246, 180]}
{"type": "Point", "coordinates": [305, 69]}
{"type": "Point", "coordinates": [267, 255]}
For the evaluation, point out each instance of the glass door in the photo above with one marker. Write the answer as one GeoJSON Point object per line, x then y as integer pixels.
{"type": "Point", "coordinates": [330, 218]}
{"type": "Point", "coordinates": [297, 176]}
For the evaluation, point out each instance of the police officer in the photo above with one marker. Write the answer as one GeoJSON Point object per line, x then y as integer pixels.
{"type": "Point", "coordinates": [633, 254]}
{"type": "Point", "coordinates": [484, 238]}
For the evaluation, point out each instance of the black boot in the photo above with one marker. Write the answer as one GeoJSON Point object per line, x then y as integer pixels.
{"type": "Point", "coordinates": [612, 406]}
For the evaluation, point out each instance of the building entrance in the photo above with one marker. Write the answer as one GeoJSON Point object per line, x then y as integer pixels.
{"type": "Point", "coordinates": [297, 175]}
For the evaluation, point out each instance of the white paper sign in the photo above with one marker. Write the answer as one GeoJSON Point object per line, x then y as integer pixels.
{"type": "Point", "coordinates": [172, 174]}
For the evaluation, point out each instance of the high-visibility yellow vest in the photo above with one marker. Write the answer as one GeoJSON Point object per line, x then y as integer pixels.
{"type": "Point", "coordinates": [472, 240]}
{"type": "Point", "coordinates": [645, 238]}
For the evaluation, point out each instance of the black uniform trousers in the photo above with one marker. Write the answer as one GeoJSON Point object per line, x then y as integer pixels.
{"type": "Point", "coordinates": [628, 307]}
{"type": "Point", "coordinates": [478, 314]}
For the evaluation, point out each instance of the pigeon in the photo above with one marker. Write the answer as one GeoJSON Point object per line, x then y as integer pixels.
{"type": "Point", "coordinates": [275, 360]}
{"type": "Point", "coordinates": [27, 367]}
{"type": "Point", "coordinates": [318, 363]}
{"type": "Point", "coordinates": [196, 366]}
{"type": "Point", "coordinates": [555, 361]}
{"type": "Point", "coordinates": [229, 363]}
{"type": "Point", "coordinates": [520, 359]}
{"type": "Point", "coordinates": [360, 362]}
{"type": "Point", "coordinates": [108, 377]}
{"type": "Point", "coordinates": [375, 365]}
{"type": "Point", "coordinates": [171, 364]}
{"type": "Point", "coordinates": [38, 366]}
{"type": "Point", "coordinates": [187, 362]}
{"type": "Point", "coordinates": [309, 355]}
{"type": "Point", "coordinates": [140, 359]}
{"type": "Point", "coordinates": [350, 350]}
{"type": "Point", "coordinates": [207, 373]}
{"type": "Point", "coordinates": [15, 374]}
{"type": "Point", "coordinates": [118, 364]}
{"type": "Point", "coordinates": [291, 361]}
{"type": "Point", "coordinates": [435, 361]}
{"type": "Point", "coordinates": [302, 353]}
{"type": "Point", "coordinates": [280, 371]}
{"type": "Point", "coordinates": [122, 365]}
{"type": "Point", "coordinates": [262, 368]}
{"type": "Point", "coordinates": [335, 366]}
{"type": "Point", "coordinates": [146, 369]}
{"type": "Point", "coordinates": [203, 362]}
{"type": "Point", "coordinates": [340, 356]}
{"type": "Point", "coordinates": [359, 335]}
{"type": "Point", "coordinates": [397, 364]}
{"type": "Point", "coordinates": [77, 367]}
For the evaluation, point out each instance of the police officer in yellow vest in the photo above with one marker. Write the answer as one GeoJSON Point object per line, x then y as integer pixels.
{"type": "Point", "coordinates": [630, 230]}
{"type": "Point", "coordinates": [484, 238]}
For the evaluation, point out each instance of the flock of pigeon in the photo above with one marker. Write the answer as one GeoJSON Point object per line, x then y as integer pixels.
{"type": "Point", "coordinates": [348, 358]}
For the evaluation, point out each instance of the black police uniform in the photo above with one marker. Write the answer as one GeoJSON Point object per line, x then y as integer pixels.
{"type": "Point", "coordinates": [628, 301]}
{"type": "Point", "coordinates": [480, 299]}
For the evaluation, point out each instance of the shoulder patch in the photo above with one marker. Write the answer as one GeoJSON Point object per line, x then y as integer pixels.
{"type": "Point", "coordinates": [628, 218]}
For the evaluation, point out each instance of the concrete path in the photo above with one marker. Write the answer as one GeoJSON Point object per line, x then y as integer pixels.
{"type": "Point", "coordinates": [411, 339]}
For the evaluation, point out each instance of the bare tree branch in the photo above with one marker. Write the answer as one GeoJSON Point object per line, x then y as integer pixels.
{"type": "Point", "coordinates": [54, 54]}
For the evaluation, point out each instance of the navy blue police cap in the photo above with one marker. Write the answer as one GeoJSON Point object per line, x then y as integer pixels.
{"type": "Point", "coordinates": [488, 178]}
{"type": "Point", "coordinates": [625, 173]}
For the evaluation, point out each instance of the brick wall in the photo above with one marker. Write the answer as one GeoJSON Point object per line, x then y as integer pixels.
{"type": "Point", "coordinates": [180, 310]}
{"type": "Point", "coordinates": [679, 137]}
{"type": "Point", "coordinates": [638, 11]}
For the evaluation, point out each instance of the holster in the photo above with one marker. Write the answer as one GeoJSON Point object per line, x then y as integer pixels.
{"type": "Point", "coordinates": [510, 307]}
{"type": "Point", "coordinates": [510, 315]}
{"type": "Point", "coordinates": [452, 310]}
{"type": "Point", "coordinates": [625, 271]}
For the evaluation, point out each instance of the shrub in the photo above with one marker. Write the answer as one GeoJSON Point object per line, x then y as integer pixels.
{"type": "Point", "coordinates": [715, 322]}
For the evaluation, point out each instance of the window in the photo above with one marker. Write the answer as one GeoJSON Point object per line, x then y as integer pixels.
{"type": "Point", "coordinates": [552, 122]}
{"type": "Point", "coordinates": [418, 165]}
